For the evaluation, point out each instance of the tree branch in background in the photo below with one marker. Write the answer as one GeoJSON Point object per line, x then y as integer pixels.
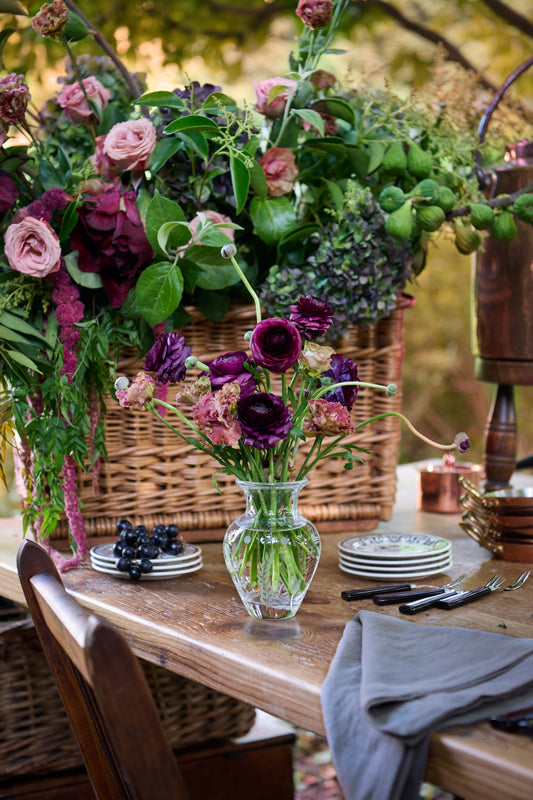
{"type": "Point", "coordinates": [453, 53]}
{"type": "Point", "coordinates": [131, 81]}
{"type": "Point", "coordinates": [513, 18]}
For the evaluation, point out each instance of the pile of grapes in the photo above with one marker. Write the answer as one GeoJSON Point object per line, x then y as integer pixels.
{"type": "Point", "coordinates": [136, 548]}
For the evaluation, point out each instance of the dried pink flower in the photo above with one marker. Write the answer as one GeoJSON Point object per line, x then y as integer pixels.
{"type": "Point", "coordinates": [51, 19]}
{"type": "Point", "coordinates": [327, 418]}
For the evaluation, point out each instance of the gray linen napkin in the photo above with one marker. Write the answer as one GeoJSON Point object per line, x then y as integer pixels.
{"type": "Point", "coordinates": [392, 683]}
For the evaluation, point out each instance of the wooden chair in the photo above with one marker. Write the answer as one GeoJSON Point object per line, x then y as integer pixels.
{"type": "Point", "coordinates": [103, 689]}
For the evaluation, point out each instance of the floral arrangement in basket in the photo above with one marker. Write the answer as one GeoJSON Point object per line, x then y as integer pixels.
{"type": "Point", "coordinates": [115, 202]}
{"type": "Point", "coordinates": [251, 413]}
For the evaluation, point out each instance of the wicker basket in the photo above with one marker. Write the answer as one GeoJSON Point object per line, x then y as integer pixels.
{"type": "Point", "coordinates": [153, 477]}
{"type": "Point", "coordinates": [35, 734]}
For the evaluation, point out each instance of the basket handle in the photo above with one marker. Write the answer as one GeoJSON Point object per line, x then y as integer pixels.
{"type": "Point", "coordinates": [485, 119]}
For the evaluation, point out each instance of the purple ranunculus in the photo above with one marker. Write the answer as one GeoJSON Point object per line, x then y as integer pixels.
{"type": "Point", "coordinates": [167, 358]}
{"type": "Point", "coordinates": [111, 241]}
{"type": "Point", "coordinates": [276, 344]}
{"type": "Point", "coordinates": [264, 420]}
{"type": "Point", "coordinates": [231, 367]}
{"type": "Point", "coordinates": [312, 316]}
{"type": "Point", "coordinates": [342, 369]}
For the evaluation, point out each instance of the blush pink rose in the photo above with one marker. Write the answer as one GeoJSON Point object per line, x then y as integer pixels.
{"type": "Point", "coordinates": [262, 91]}
{"type": "Point", "coordinates": [73, 100]}
{"type": "Point", "coordinates": [213, 216]}
{"type": "Point", "coordinates": [130, 144]}
{"type": "Point", "coordinates": [32, 247]}
{"type": "Point", "coordinates": [279, 166]}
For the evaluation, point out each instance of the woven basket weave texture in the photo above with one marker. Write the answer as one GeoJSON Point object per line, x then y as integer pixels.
{"type": "Point", "coordinates": [154, 478]}
{"type": "Point", "coordinates": [35, 734]}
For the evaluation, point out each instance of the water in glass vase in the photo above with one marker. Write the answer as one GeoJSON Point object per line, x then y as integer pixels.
{"type": "Point", "coordinates": [271, 551]}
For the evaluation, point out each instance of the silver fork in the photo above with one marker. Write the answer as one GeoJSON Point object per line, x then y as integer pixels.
{"type": "Point", "coordinates": [392, 598]}
{"type": "Point", "coordinates": [428, 602]}
{"type": "Point", "coordinates": [491, 586]}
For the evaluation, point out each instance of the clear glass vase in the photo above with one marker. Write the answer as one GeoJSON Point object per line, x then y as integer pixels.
{"type": "Point", "coordinates": [271, 551]}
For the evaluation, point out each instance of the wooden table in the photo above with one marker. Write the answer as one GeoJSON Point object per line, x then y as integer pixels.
{"type": "Point", "coordinates": [196, 626]}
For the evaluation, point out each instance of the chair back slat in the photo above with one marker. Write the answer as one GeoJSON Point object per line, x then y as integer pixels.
{"type": "Point", "coordinates": [106, 696]}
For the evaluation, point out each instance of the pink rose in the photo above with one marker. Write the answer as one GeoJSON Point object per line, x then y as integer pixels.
{"type": "Point", "coordinates": [103, 165]}
{"type": "Point", "coordinates": [32, 247]}
{"type": "Point", "coordinates": [74, 103]}
{"type": "Point", "coordinates": [315, 14]}
{"type": "Point", "coordinates": [130, 144]}
{"type": "Point", "coordinates": [213, 216]}
{"type": "Point", "coordinates": [262, 91]}
{"type": "Point", "coordinates": [280, 168]}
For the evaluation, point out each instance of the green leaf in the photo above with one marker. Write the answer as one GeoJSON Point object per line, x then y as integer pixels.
{"type": "Point", "coordinates": [312, 117]}
{"type": "Point", "coordinates": [240, 179]}
{"type": "Point", "coordinates": [216, 272]}
{"type": "Point", "coordinates": [213, 305]}
{"type": "Point", "coordinates": [164, 149]}
{"type": "Point", "coordinates": [258, 180]}
{"type": "Point", "coordinates": [196, 142]}
{"type": "Point", "coordinates": [159, 291]}
{"type": "Point", "coordinates": [68, 223]}
{"type": "Point", "coordinates": [48, 175]}
{"type": "Point", "coordinates": [301, 232]}
{"type": "Point", "coordinates": [192, 122]}
{"type": "Point", "coordinates": [20, 325]}
{"type": "Point", "coordinates": [336, 194]}
{"type": "Point", "coordinates": [215, 100]}
{"type": "Point", "coordinates": [91, 280]}
{"type": "Point", "coordinates": [9, 335]}
{"type": "Point", "coordinates": [272, 217]}
{"type": "Point", "coordinates": [22, 359]}
{"type": "Point", "coordinates": [336, 108]}
{"type": "Point", "coordinates": [161, 100]}
{"type": "Point", "coordinates": [377, 151]}
{"type": "Point", "coordinates": [161, 210]}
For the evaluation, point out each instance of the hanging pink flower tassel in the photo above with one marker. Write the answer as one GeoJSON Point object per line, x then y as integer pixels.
{"type": "Point", "coordinates": [93, 416]}
{"type": "Point", "coordinates": [74, 517]}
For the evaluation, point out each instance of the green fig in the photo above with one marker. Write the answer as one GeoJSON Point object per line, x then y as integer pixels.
{"type": "Point", "coordinates": [481, 216]}
{"type": "Point", "coordinates": [400, 222]}
{"type": "Point", "coordinates": [391, 198]}
{"type": "Point", "coordinates": [419, 163]}
{"type": "Point", "coordinates": [395, 159]}
{"type": "Point", "coordinates": [504, 226]}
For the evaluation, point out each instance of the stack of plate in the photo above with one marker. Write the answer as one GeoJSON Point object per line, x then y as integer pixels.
{"type": "Point", "coordinates": [395, 556]}
{"type": "Point", "coordinates": [164, 566]}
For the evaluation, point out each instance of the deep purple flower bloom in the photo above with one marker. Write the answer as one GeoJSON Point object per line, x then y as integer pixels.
{"type": "Point", "coordinates": [167, 358]}
{"type": "Point", "coordinates": [14, 98]}
{"type": "Point", "coordinates": [8, 192]}
{"type": "Point", "coordinates": [111, 240]}
{"type": "Point", "coordinates": [54, 199]}
{"type": "Point", "coordinates": [230, 367]}
{"type": "Point", "coordinates": [264, 420]}
{"type": "Point", "coordinates": [312, 316]}
{"type": "Point", "coordinates": [342, 369]}
{"type": "Point", "coordinates": [276, 344]}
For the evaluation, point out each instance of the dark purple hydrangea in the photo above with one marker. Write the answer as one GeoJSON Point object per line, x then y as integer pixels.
{"type": "Point", "coordinates": [231, 367]}
{"type": "Point", "coordinates": [264, 420]}
{"type": "Point", "coordinates": [167, 358]}
{"type": "Point", "coordinates": [312, 316]}
{"type": "Point", "coordinates": [342, 369]}
{"type": "Point", "coordinates": [276, 344]}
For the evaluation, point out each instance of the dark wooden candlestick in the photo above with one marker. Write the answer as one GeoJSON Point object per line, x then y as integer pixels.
{"type": "Point", "coordinates": [501, 439]}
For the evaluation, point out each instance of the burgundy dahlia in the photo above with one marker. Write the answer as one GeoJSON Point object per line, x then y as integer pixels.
{"type": "Point", "coordinates": [342, 369]}
{"type": "Point", "coordinates": [312, 316]}
{"type": "Point", "coordinates": [231, 367]}
{"type": "Point", "coordinates": [276, 344]}
{"type": "Point", "coordinates": [111, 241]}
{"type": "Point", "coordinates": [264, 420]}
{"type": "Point", "coordinates": [167, 358]}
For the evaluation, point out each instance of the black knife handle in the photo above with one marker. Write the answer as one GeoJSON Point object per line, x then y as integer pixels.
{"type": "Point", "coordinates": [400, 597]}
{"type": "Point", "coordinates": [370, 591]}
{"type": "Point", "coordinates": [463, 598]}
{"type": "Point", "coordinates": [424, 603]}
